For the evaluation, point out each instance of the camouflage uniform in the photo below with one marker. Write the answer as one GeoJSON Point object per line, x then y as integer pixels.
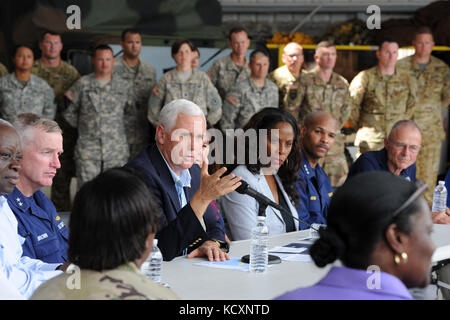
{"type": "Point", "coordinates": [61, 78]}
{"type": "Point", "coordinates": [433, 88]}
{"type": "Point", "coordinates": [97, 112]}
{"type": "Point", "coordinates": [287, 84]}
{"type": "Point", "coordinates": [244, 100]}
{"type": "Point", "coordinates": [15, 98]}
{"type": "Point", "coordinates": [224, 73]}
{"type": "Point", "coordinates": [379, 101]}
{"type": "Point", "coordinates": [3, 70]}
{"type": "Point", "coordinates": [314, 94]}
{"type": "Point", "coordinates": [143, 80]}
{"type": "Point", "coordinates": [198, 89]}
{"type": "Point", "coordinates": [123, 283]}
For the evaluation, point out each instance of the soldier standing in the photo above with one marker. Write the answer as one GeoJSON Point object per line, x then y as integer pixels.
{"type": "Point", "coordinates": [432, 79]}
{"type": "Point", "coordinates": [97, 103]}
{"type": "Point", "coordinates": [22, 91]}
{"type": "Point", "coordinates": [287, 77]}
{"type": "Point", "coordinates": [250, 95]}
{"type": "Point", "coordinates": [184, 82]}
{"type": "Point", "coordinates": [381, 96]}
{"type": "Point", "coordinates": [60, 76]}
{"type": "Point", "coordinates": [322, 89]}
{"type": "Point", "coordinates": [142, 76]}
{"type": "Point", "coordinates": [227, 71]}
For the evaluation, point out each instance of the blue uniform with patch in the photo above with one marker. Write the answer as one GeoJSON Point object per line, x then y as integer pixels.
{"type": "Point", "coordinates": [315, 192]}
{"type": "Point", "coordinates": [46, 236]}
{"type": "Point", "coordinates": [377, 161]}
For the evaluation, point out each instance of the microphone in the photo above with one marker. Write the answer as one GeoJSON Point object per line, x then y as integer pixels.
{"type": "Point", "coordinates": [263, 201]}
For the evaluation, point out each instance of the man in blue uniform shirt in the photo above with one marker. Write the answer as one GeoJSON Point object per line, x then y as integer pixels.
{"type": "Point", "coordinates": [317, 134]}
{"type": "Point", "coordinates": [39, 224]}
{"type": "Point", "coordinates": [398, 156]}
{"type": "Point", "coordinates": [19, 276]}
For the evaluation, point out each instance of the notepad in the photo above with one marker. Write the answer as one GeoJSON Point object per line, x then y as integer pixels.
{"type": "Point", "coordinates": [233, 263]}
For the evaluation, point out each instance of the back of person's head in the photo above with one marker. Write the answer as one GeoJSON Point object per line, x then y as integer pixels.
{"type": "Point", "coordinates": [111, 219]}
{"type": "Point", "coordinates": [169, 113]}
{"type": "Point", "coordinates": [359, 214]}
{"type": "Point", "coordinates": [25, 123]}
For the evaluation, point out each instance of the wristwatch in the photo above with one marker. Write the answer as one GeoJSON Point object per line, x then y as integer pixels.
{"type": "Point", "coordinates": [222, 245]}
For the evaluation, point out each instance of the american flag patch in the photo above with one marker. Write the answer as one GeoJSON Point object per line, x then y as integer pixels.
{"type": "Point", "coordinates": [232, 100]}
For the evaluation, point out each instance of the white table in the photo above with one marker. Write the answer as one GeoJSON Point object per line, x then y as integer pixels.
{"type": "Point", "coordinates": [194, 282]}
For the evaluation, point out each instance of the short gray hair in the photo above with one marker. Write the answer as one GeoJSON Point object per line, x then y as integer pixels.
{"type": "Point", "coordinates": [25, 121]}
{"type": "Point", "coordinates": [169, 113]}
{"type": "Point", "coordinates": [404, 123]}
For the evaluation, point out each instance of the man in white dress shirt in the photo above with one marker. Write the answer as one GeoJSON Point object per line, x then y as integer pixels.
{"type": "Point", "coordinates": [21, 275]}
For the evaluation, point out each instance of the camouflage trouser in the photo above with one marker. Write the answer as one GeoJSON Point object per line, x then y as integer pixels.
{"type": "Point", "coordinates": [427, 164]}
{"type": "Point", "coordinates": [335, 162]}
{"type": "Point", "coordinates": [89, 169]}
{"type": "Point", "coordinates": [336, 167]}
{"type": "Point", "coordinates": [60, 193]}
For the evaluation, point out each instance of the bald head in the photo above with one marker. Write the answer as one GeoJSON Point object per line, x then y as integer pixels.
{"type": "Point", "coordinates": [402, 125]}
{"type": "Point", "coordinates": [293, 57]}
{"type": "Point", "coordinates": [11, 154]}
{"type": "Point", "coordinates": [313, 118]}
{"type": "Point", "coordinates": [318, 133]}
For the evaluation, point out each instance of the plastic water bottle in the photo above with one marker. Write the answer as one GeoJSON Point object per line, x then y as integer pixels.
{"type": "Point", "coordinates": [259, 250]}
{"type": "Point", "coordinates": [151, 268]}
{"type": "Point", "coordinates": [440, 198]}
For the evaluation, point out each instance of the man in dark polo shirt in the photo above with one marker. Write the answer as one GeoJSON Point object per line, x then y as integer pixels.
{"type": "Point", "coordinates": [398, 155]}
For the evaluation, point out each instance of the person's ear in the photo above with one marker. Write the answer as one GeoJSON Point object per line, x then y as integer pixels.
{"type": "Point", "coordinates": [160, 134]}
{"type": "Point", "coordinates": [397, 240]}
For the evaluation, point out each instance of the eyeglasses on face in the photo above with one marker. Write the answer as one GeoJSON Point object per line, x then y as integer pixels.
{"type": "Point", "coordinates": [399, 145]}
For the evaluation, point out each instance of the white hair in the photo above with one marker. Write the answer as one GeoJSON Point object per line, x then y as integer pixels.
{"type": "Point", "coordinates": [169, 113]}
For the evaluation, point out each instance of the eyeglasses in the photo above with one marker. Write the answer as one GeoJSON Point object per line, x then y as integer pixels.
{"type": "Point", "coordinates": [421, 188]}
{"type": "Point", "coordinates": [412, 148]}
{"type": "Point", "coordinates": [298, 55]}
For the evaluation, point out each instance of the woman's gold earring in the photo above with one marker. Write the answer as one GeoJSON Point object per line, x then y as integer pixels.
{"type": "Point", "coordinates": [404, 257]}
